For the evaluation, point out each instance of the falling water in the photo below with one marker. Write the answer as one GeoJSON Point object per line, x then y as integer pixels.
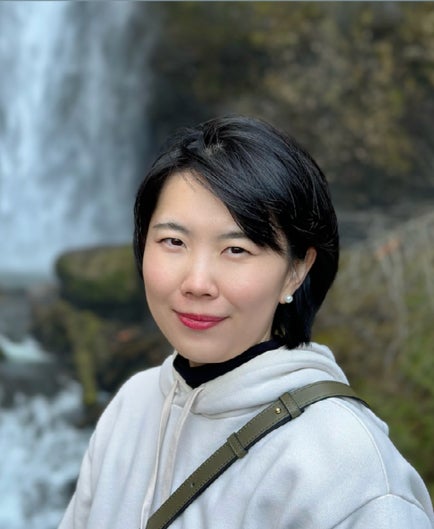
{"type": "Point", "coordinates": [40, 447]}
{"type": "Point", "coordinates": [73, 131]}
{"type": "Point", "coordinates": [41, 454]}
{"type": "Point", "coordinates": [73, 134]}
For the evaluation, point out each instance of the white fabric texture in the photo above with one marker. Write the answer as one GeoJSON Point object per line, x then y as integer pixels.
{"type": "Point", "coordinates": [334, 467]}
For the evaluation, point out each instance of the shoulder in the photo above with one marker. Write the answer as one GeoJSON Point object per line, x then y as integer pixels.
{"type": "Point", "coordinates": [131, 403]}
{"type": "Point", "coordinates": [140, 384]}
{"type": "Point", "coordinates": [340, 438]}
{"type": "Point", "coordinates": [144, 385]}
{"type": "Point", "coordinates": [349, 428]}
{"type": "Point", "coordinates": [389, 512]}
{"type": "Point", "coordinates": [132, 410]}
{"type": "Point", "coordinates": [344, 453]}
{"type": "Point", "coordinates": [347, 432]}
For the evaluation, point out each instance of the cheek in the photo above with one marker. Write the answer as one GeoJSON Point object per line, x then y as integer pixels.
{"type": "Point", "coordinates": [154, 274]}
{"type": "Point", "coordinates": [253, 290]}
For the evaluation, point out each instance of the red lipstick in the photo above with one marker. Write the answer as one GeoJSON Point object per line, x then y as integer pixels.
{"type": "Point", "coordinates": [198, 322]}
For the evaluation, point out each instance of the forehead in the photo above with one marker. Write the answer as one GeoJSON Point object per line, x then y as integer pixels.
{"type": "Point", "coordinates": [184, 193]}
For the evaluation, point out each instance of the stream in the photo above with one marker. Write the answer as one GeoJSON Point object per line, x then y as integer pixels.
{"type": "Point", "coordinates": [40, 445]}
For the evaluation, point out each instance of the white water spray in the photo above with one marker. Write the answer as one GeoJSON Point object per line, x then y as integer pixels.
{"type": "Point", "coordinates": [72, 126]}
{"type": "Point", "coordinates": [41, 455]}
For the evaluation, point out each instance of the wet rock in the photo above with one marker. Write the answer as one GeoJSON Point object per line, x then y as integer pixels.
{"type": "Point", "coordinates": [14, 313]}
{"type": "Point", "coordinates": [101, 353]}
{"type": "Point", "coordinates": [103, 280]}
{"type": "Point", "coordinates": [97, 323]}
{"type": "Point", "coordinates": [29, 379]}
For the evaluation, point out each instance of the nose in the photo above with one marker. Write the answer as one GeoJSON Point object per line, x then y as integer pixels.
{"type": "Point", "coordinates": [199, 279]}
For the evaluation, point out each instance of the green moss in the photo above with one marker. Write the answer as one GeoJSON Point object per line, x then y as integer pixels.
{"type": "Point", "coordinates": [100, 353]}
{"type": "Point", "coordinates": [84, 331]}
{"type": "Point", "coordinates": [104, 280]}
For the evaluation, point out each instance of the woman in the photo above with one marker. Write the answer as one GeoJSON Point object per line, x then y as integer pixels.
{"type": "Point", "coordinates": [236, 240]}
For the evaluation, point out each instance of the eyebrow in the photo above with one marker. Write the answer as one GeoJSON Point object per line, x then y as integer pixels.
{"type": "Point", "coordinates": [171, 226]}
{"type": "Point", "coordinates": [234, 234]}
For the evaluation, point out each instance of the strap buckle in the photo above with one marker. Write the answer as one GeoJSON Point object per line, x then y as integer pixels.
{"type": "Point", "coordinates": [291, 405]}
{"type": "Point", "coordinates": [237, 448]}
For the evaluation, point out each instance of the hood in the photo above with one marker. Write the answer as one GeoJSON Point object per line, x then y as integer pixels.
{"type": "Point", "coordinates": [248, 386]}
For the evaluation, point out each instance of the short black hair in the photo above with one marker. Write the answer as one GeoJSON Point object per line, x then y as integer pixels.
{"type": "Point", "coordinates": [271, 186]}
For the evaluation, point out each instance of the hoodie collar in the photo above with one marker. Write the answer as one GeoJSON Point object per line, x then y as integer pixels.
{"type": "Point", "coordinates": [256, 382]}
{"type": "Point", "coordinates": [196, 376]}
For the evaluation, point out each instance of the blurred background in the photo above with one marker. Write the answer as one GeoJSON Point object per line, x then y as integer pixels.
{"type": "Point", "coordinates": [88, 92]}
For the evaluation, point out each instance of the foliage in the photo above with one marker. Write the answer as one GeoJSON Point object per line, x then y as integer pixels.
{"type": "Point", "coordinates": [352, 81]}
{"type": "Point", "coordinates": [378, 320]}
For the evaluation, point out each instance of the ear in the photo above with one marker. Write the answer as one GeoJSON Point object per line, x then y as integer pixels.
{"type": "Point", "coordinates": [298, 272]}
{"type": "Point", "coordinates": [302, 267]}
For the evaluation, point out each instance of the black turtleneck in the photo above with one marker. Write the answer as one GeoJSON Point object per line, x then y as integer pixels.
{"type": "Point", "coordinates": [195, 376]}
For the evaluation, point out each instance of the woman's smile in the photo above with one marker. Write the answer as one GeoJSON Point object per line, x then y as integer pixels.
{"type": "Point", "coordinates": [199, 322]}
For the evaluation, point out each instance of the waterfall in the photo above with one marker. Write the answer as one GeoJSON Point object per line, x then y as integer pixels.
{"type": "Point", "coordinates": [41, 455]}
{"type": "Point", "coordinates": [40, 446]}
{"type": "Point", "coordinates": [74, 90]}
{"type": "Point", "coordinates": [73, 129]}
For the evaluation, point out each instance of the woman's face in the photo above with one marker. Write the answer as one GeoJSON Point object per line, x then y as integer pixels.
{"type": "Point", "coordinates": [211, 290]}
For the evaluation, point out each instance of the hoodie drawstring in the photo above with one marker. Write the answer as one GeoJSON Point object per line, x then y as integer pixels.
{"type": "Point", "coordinates": [166, 481]}
{"type": "Point", "coordinates": [167, 478]}
{"type": "Point", "coordinates": [165, 413]}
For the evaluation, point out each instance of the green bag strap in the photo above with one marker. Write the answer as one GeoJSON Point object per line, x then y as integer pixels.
{"type": "Point", "coordinates": [287, 407]}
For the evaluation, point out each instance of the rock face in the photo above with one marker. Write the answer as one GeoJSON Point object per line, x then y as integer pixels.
{"type": "Point", "coordinates": [98, 325]}
{"type": "Point", "coordinates": [103, 280]}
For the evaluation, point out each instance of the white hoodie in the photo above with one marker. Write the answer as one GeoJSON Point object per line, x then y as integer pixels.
{"type": "Point", "coordinates": [334, 467]}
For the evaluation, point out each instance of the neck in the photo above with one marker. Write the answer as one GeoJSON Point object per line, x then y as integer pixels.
{"type": "Point", "coordinates": [196, 374]}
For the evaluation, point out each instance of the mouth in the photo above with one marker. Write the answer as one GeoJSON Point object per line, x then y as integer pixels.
{"type": "Point", "coordinates": [199, 322]}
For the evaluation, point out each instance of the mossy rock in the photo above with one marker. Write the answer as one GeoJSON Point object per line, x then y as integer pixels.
{"type": "Point", "coordinates": [131, 349]}
{"type": "Point", "coordinates": [104, 280]}
{"type": "Point", "coordinates": [100, 353]}
{"type": "Point", "coordinates": [105, 354]}
{"type": "Point", "coordinates": [49, 326]}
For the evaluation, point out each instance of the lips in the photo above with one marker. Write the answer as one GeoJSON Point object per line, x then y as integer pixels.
{"type": "Point", "coordinates": [199, 322]}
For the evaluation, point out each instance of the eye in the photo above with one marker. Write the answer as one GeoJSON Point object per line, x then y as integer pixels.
{"type": "Point", "coordinates": [236, 250]}
{"type": "Point", "coordinates": [172, 242]}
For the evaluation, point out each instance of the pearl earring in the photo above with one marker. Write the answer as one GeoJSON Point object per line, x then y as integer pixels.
{"type": "Point", "coordinates": [288, 298]}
